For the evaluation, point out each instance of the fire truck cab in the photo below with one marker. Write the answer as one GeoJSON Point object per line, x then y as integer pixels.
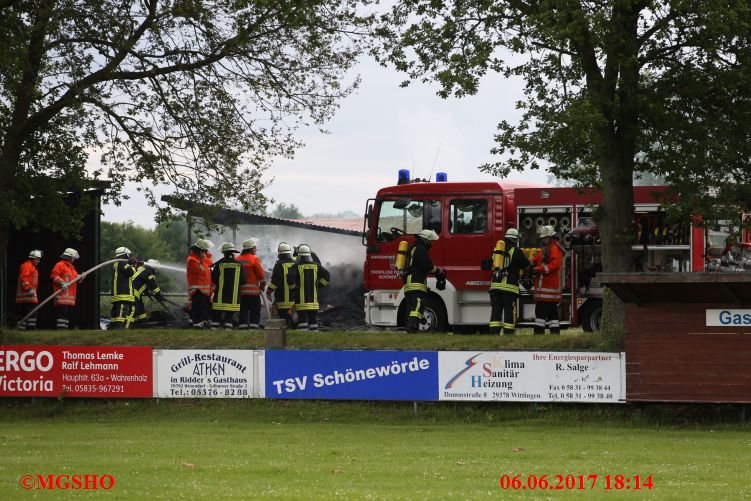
{"type": "Point", "coordinates": [468, 218]}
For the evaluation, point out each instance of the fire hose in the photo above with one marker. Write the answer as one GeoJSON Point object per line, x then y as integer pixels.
{"type": "Point", "coordinates": [65, 287]}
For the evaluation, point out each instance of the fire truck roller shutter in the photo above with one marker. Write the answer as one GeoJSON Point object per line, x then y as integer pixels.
{"type": "Point", "coordinates": [528, 223]}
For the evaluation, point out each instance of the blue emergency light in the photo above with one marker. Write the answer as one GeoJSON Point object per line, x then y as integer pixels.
{"type": "Point", "coordinates": [441, 177]}
{"type": "Point", "coordinates": [403, 176]}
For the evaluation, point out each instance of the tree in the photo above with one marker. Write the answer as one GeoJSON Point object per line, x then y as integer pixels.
{"type": "Point", "coordinates": [611, 87]}
{"type": "Point", "coordinates": [285, 211]}
{"type": "Point", "coordinates": [197, 95]}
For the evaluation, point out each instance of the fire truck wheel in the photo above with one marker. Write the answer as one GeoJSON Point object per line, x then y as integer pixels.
{"type": "Point", "coordinates": [591, 316]}
{"type": "Point", "coordinates": [433, 316]}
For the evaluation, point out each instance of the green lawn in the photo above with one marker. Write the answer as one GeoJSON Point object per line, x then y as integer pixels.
{"type": "Point", "coordinates": [572, 339]}
{"type": "Point", "coordinates": [358, 450]}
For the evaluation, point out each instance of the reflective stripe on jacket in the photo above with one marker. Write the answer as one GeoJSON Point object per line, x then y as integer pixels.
{"type": "Point", "coordinates": [122, 282]}
{"type": "Point", "coordinates": [64, 273]}
{"type": "Point", "coordinates": [513, 263]}
{"type": "Point", "coordinates": [283, 295]}
{"type": "Point", "coordinates": [419, 266]}
{"type": "Point", "coordinates": [306, 279]}
{"type": "Point", "coordinates": [227, 276]}
{"type": "Point", "coordinates": [199, 274]}
{"type": "Point", "coordinates": [28, 283]}
{"type": "Point", "coordinates": [254, 272]}
{"type": "Point", "coordinates": [549, 267]}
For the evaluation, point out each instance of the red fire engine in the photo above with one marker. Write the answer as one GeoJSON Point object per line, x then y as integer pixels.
{"type": "Point", "coordinates": [470, 217]}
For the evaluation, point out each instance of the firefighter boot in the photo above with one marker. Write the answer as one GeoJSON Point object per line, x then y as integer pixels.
{"type": "Point", "coordinates": [413, 324]}
{"type": "Point", "coordinates": [509, 332]}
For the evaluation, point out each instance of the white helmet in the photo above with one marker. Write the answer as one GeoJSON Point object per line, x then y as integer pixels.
{"type": "Point", "coordinates": [547, 231]}
{"type": "Point", "coordinates": [70, 253]}
{"type": "Point", "coordinates": [303, 250]}
{"type": "Point", "coordinates": [250, 243]}
{"type": "Point", "coordinates": [151, 263]}
{"type": "Point", "coordinates": [122, 251]}
{"type": "Point", "coordinates": [284, 248]}
{"type": "Point", "coordinates": [512, 233]}
{"type": "Point", "coordinates": [35, 254]}
{"type": "Point", "coordinates": [204, 244]}
{"type": "Point", "coordinates": [428, 235]}
{"type": "Point", "coordinates": [228, 247]}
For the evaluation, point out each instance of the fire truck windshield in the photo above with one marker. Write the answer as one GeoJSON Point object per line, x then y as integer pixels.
{"type": "Point", "coordinates": [394, 219]}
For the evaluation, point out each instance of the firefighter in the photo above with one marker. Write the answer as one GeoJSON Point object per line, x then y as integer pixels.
{"type": "Point", "coordinates": [284, 298]}
{"type": "Point", "coordinates": [417, 269]}
{"type": "Point", "coordinates": [122, 289]}
{"type": "Point", "coordinates": [144, 284]}
{"type": "Point", "coordinates": [504, 285]}
{"type": "Point", "coordinates": [63, 276]}
{"type": "Point", "coordinates": [548, 268]}
{"type": "Point", "coordinates": [250, 291]}
{"type": "Point", "coordinates": [199, 283]}
{"type": "Point", "coordinates": [26, 289]}
{"type": "Point", "coordinates": [227, 276]}
{"type": "Point", "coordinates": [305, 278]}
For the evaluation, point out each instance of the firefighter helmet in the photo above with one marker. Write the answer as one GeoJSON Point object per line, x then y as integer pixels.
{"type": "Point", "coordinates": [512, 233]}
{"type": "Point", "coordinates": [284, 248]}
{"type": "Point", "coordinates": [228, 247]}
{"type": "Point", "coordinates": [547, 231]}
{"type": "Point", "coordinates": [204, 245]}
{"type": "Point", "coordinates": [35, 254]}
{"type": "Point", "coordinates": [151, 263]}
{"type": "Point", "coordinates": [428, 235]}
{"type": "Point", "coordinates": [70, 253]}
{"type": "Point", "coordinates": [122, 251]}
{"type": "Point", "coordinates": [303, 250]}
{"type": "Point", "coordinates": [250, 243]}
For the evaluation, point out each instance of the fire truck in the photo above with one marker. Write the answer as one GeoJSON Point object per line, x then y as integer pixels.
{"type": "Point", "coordinates": [470, 217]}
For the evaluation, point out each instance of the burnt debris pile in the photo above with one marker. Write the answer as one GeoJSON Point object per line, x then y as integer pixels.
{"type": "Point", "coordinates": [342, 301]}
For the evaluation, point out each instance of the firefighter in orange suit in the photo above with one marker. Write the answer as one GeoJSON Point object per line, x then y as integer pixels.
{"type": "Point", "coordinates": [547, 266]}
{"type": "Point", "coordinates": [199, 283]}
{"type": "Point", "coordinates": [251, 290]}
{"type": "Point", "coordinates": [26, 289]}
{"type": "Point", "coordinates": [63, 275]}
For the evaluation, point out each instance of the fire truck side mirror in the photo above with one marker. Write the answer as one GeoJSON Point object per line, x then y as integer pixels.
{"type": "Point", "coordinates": [486, 264]}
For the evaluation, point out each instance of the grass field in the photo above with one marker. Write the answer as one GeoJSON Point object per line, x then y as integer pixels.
{"type": "Point", "coordinates": [572, 339]}
{"type": "Point", "coordinates": [356, 450]}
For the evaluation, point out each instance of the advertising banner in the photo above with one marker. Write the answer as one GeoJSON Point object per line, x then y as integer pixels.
{"type": "Point", "coordinates": [208, 373]}
{"type": "Point", "coordinates": [76, 371]}
{"type": "Point", "coordinates": [352, 375]}
{"type": "Point", "coordinates": [532, 376]}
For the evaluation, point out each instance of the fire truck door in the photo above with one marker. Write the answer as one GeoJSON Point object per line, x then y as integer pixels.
{"type": "Point", "coordinates": [467, 243]}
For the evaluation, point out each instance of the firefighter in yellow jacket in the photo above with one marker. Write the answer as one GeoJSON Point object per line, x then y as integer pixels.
{"type": "Point", "coordinates": [418, 267]}
{"type": "Point", "coordinates": [279, 289]}
{"type": "Point", "coordinates": [305, 277]}
{"type": "Point", "coordinates": [504, 284]}
{"type": "Point", "coordinates": [227, 276]}
{"type": "Point", "coordinates": [122, 290]}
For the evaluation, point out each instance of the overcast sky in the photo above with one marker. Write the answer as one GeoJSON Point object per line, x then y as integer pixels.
{"type": "Point", "coordinates": [377, 131]}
